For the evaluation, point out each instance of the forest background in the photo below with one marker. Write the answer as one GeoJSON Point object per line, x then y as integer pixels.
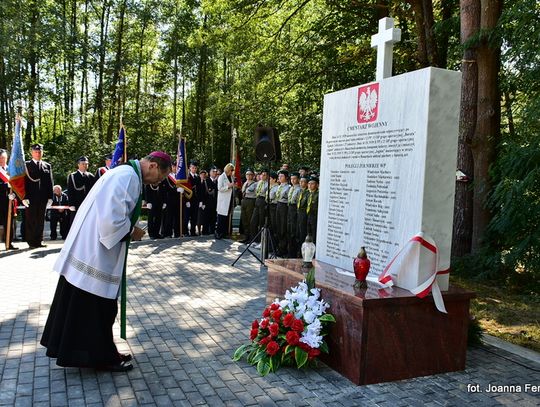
{"type": "Point", "coordinates": [202, 67]}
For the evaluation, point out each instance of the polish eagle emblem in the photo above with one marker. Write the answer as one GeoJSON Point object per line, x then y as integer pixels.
{"type": "Point", "coordinates": [367, 104]}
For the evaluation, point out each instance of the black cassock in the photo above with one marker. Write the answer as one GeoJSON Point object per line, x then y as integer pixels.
{"type": "Point", "coordinates": [78, 332]}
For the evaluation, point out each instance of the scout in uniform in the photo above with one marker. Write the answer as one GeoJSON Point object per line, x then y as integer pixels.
{"type": "Point", "coordinates": [282, 197]}
{"type": "Point", "coordinates": [292, 218]}
{"type": "Point", "coordinates": [301, 207]}
{"type": "Point", "coordinates": [249, 195]}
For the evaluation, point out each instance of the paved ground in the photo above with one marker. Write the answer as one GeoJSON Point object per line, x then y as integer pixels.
{"type": "Point", "coordinates": [188, 310]}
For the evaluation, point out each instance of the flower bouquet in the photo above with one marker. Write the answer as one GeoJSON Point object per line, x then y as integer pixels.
{"type": "Point", "coordinates": [290, 333]}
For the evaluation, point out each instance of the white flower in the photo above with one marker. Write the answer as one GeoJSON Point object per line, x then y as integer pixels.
{"type": "Point", "coordinates": [314, 327]}
{"type": "Point", "coordinates": [312, 340]}
{"type": "Point", "coordinates": [285, 304]}
{"type": "Point", "coordinates": [309, 316]}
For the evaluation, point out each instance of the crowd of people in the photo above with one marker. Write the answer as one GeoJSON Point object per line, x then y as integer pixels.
{"type": "Point", "coordinates": [285, 202]}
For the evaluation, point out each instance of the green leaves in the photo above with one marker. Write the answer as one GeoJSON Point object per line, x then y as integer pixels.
{"type": "Point", "coordinates": [301, 357]}
{"type": "Point", "coordinates": [327, 318]}
{"type": "Point", "coordinates": [241, 351]}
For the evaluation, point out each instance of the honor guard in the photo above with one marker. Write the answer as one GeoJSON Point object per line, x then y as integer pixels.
{"type": "Point", "coordinates": [301, 208]}
{"type": "Point", "coordinates": [79, 184]}
{"type": "Point", "coordinates": [102, 170]}
{"type": "Point", "coordinates": [292, 219]}
{"type": "Point", "coordinates": [312, 207]}
{"type": "Point", "coordinates": [249, 195]}
{"type": "Point", "coordinates": [38, 196]}
{"type": "Point", "coordinates": [282, 197]}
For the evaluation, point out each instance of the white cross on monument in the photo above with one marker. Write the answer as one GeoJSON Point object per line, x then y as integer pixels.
{"type": "Point", "coordinates": [384, 42]}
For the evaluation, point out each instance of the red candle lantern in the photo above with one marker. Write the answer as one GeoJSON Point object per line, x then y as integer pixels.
{"type": "Point", "coordinates": [361, 266]}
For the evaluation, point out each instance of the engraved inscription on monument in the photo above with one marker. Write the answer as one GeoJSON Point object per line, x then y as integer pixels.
{"type": "Point", "coordinates": [386, 180]}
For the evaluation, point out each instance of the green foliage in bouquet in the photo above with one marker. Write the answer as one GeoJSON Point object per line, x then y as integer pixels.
{"type": "Point", "coordinates": [291, 332]}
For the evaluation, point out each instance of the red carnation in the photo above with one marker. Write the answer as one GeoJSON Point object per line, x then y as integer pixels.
{"type": "Point", "coordinates": [274, 329]}
{"type": "Point", "coordinates": [297, 325]}
{"type": "Point", "coordinates": [292, 338]}
{"type": "Point", "coordinates": [272, 348]}
{"type": "Point", "coordinates": [274, 306]}
{"type": "Point", "coordinates": [313, 353]}
{"type": "Point", "coordinates": [277, 314]}
{"type": "Point", "coordinates": [288, 320]}
{"type": "Point", "coordinates": [264, 323]}
{"type": "Point", "coordinates": [254, 333]}
{"type": "Point", "coordinates": [255, 324]}
{"type": "Point", "coordinates": [265, 340]}
{"type": "Point", "coordinates": [266, 313]}
{"type": "Point", "coordinates": [304, 346]}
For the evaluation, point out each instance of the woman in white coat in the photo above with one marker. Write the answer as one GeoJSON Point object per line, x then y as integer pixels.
{"type": "Point", "coordinates": [225, 187]}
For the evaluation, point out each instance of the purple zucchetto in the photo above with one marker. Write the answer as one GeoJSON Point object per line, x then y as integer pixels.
{"type": "Point", "coordinates": [164, 156]}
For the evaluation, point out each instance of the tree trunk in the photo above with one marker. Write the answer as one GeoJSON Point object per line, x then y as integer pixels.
{"type": "Point", "coordinates": [84, 67]}
{"type": "Point", "coordinates": [418, 11]}
{"type": "Point", "coordinates": [463, 206]}
{"type": "Point", "coordinates": [103, 33]}
{"type": "Point", "coordinates": [114, 112]}
{"type": "Point", "coordinates": [488, 118]}
{"type": "Point", "coordinates": [175, 96]}
{"type": "Point", "coordinates": [139, 67]}
{"type": "Point", "coordinates": [431, 43]}
{"type": "Point", "coordinates": [447, 10]}
{"type": "Point", "coordinates": [33, 79]}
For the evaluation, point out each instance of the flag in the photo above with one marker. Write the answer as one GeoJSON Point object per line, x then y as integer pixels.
{"type": "Point", "coordinates": [119, 154]}
{"type": "Point", "coordinates": [17, 167]}
{"type": "Point", "coordinates": [181, 168]}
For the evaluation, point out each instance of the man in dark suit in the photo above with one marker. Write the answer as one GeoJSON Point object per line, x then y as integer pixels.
{"type": "Point", "coordinates": [171, 222]}
{"type": "Point", "coordinates": [59, 216]}
{"type": "Point", "coordinates": [211, 200]}
{"type": "Point", "coordinates": [192, 205]}
{"type": "Point", "coordinates": [78, 185]}
{"type": "Point", "coordinates": [39, 194]}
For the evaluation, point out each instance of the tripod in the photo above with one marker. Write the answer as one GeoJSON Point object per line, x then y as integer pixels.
{"type": "Point", "coordinates": [264, 233]}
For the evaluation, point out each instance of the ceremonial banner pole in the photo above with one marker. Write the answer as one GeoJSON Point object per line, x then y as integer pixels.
{"type": "Point", "coordinates": [8, 223]}
{"type": "Point", "coordinates": [182, 178]}
{"type": "Point", "coordinates": [123, 288]}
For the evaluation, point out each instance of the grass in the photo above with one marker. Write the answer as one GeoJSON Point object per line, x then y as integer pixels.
{"type": "Point", "coordinates": [513, 317]}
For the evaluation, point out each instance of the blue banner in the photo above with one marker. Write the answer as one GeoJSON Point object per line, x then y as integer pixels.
{"type": "Point", "coordinates": [181, 163]}
{"type": "Point", "coordinates": [118, 154]}
{"type": "Point", "coordinates": [16, 166]}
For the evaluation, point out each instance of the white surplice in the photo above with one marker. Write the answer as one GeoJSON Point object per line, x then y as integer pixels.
{"type": "Point", "coordinates": [92, 258]}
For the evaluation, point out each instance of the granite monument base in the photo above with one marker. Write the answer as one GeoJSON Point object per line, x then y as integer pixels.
{"type": "Point", "coordinates": [382, 335]}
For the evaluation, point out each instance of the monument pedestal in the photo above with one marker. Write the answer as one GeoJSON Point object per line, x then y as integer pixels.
{"type": "Point", "coordinates": [382, 335]}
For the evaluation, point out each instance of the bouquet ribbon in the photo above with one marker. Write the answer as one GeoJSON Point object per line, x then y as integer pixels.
{"type": "Point", "coordinates": [400, 264]}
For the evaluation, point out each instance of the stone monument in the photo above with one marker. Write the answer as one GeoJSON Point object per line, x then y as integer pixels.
{"type": "Point", "coordinates": [387, 179]}
{"type": "Point", "coordinates": [388, 165]}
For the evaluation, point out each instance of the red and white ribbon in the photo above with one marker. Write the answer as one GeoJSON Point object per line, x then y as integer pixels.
{"type": "Point", "coordinates": [407, 255]}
